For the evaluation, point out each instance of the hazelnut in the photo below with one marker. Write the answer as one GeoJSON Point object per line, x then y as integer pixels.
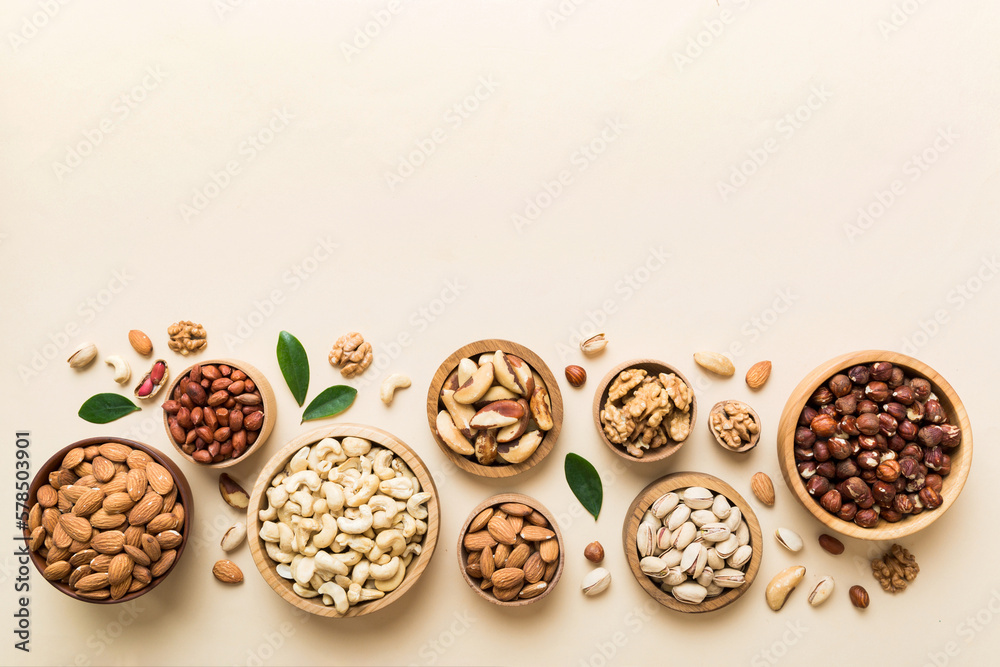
{"type": "Point", "coordinates": [849, 426]}
{"type": "Point", "coordinates": [865, 406]}
{"type": "Point", "coordinates": [827, 469]}
{"type": "Point", "coordinates": [891, 515]}
{"type": "Point", "coordinates": [887, 424]}
{"type": "Point", "coordinates": [840, 385]}
{"type": "Point", "coordinates": [930, 436]}
{"type": "Point", "coordinates": [897, 410]}
{"type": "Point", "coordinates": [848, 511]}
{"type": "Point", "coordinates": [822, 396]}
{"type": "Point", "coordinates": [806, 469]}
{"type": "Point", "coordinates": [904, 395]}
{"type": "Point", "coordinates": [902, 503]}
{"type": "Point", "coordinates": [866, 518]}
{"type": "Point", "coordinates": [909, 467]}
{"type": "Point", "coordinates": [831, 501]}
{"type": "Point", "coordinates": [896, 443]}
{"type": "Point", "coordinates": [829, 409]}
{"type": "Point", "coordinates": [951, 435]}
{"type": "Point", "coordinates": [868, 423]}
{"type": "Point", "coordinates": [839, 448]}
{"type": "Point", "coordinates": [818, 486]}
{"type": "Point", "coordinates": [907, 430]}
{"type": "Point", "coordinates": [933, 481]}
{"type": "Point", "coordinates": [883, 492]}
{"type": "Point", "coordinates": [933, 412]}
{"type": "Point", "coordinates": [915, 412]}
{"type": "Point", "coordinates": [576, 375]}
{"type": "Point", "coordinates": [867, 500]}
{"type": "Point", "coordinates": [846, 405]}
{"type": "Point", "coordinates": [888, 471]}
{"type": "Point", "coordinates": [808, 414]}
{"type": "Point", "coordinates": [912, 451]}
{"type": "Point", "coordinates": [868, 460]}
{"type": "Point", "coordinates": [945, 466]}
{"type": "Point", "coordinates": [855, 488]}
{"type": "Point", "coordinates": [802, 454]}
{"type": "Point", "coordinates": [594, 552]}
{"type": "Point", "coordinates": [933, 458]}
{"type": "Point", "coordinates": [821, 451]}
{"type": "Point", "coordinates": [847, 469]}
{"type": "Point", "coordinates": [930, 498]}
{"type": "Point", "coordinates": [881, 371]}
{"type": "Point", "coordinates": [868, 442]}
{"type": "Point", "coordinates": [804, 437]}
{"type": "Point", "coordinates": [877, 391]}
{"type": "Point", "coordinates": [896, 378]}
{"type": "Point", "coordinates": [859, 375]}
{"type": "Point", "coordinates": [921, 388]}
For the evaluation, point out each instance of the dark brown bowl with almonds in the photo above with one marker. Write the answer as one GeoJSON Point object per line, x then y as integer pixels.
{"type": "Point", "coordinates": [220, 412]}
{"type": "Point", "coordinates": [108, 519]}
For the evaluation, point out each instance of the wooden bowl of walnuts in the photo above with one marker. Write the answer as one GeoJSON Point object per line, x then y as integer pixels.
{"type": "Point", "coordinates": [875, 444]}
{"type": "Point", "coordinates": [494, 408]}
{"type": "Point", "coordinates": [510, 550]}
{"type": "Point", "coordinates": [668, 413]}
{"type": "Point", "coordinates": [108, 541]}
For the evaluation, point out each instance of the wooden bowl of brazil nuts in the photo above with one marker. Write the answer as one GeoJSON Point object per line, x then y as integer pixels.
{"type": "Point", "coordinates": [181, 418]}
{"type": "Point", "coordinates": [181, 496]}
{"type": "Point", "coordinates": [259, 501]}
{"type": "Point", "coordinates": [954, 411]}
{"type": "Point", "coordinates": [511, 517]}
{"type": "Point", "coordinates": [675, 482]}
{"type": "Point", "coordinates": [443, 413]}
{"type": "Point", "coordinates": [653, 368]}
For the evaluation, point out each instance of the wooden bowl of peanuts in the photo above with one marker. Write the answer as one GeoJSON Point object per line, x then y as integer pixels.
{"type": "Point", "coordinates": [369, 528]}
{"type": "Point", "coordinates": [101, 531]}
{"type": "Point", "coordinates": [510, 550]}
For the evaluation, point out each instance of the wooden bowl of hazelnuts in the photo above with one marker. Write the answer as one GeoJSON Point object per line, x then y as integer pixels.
{"type": "Point", "coordinates": [875, 444]}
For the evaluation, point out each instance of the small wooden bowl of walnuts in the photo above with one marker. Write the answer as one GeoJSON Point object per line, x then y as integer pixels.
{"type": "Point", "coordinates": [875, 444]}
{"type": "Point", "coordinates": [644, 410]}
{"type": "Point", "coordinates": [510, 550]}
{"type": "Point", "coordinates": [735, 426]}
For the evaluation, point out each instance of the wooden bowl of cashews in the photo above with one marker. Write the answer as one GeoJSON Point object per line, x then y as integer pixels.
{"type": "Point", "coordinates": [343, 520]}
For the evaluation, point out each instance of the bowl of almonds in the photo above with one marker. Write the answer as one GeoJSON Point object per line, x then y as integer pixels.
{"type": "Point", "coordinates": [494, 408]}
{"type": "Point", "coordinates": [107, 519]}
{"type": "Point", "coordinates": [218, 413]}
{"type": "Point", "coordinates": [510, 550]}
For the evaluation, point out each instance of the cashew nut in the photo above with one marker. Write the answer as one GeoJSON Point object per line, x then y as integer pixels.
{"type": "Point", "coordinates": [366, 489]}
{"type": "Point", "coordinates": [324, 537]}
{"type": "Point", "coordinates": [328, 450]}
{"type": "Point", "coordinates": [371, 594]}
{"type": "Point", "coordinates": [286, 537]}
{"type": "Point", "coordinates": [356, 446]}
{"type": "Point", "coordinates": [414, 505]}
{"type": "Point", "coordinates": [327, 563]}
{"type": "Point", "coordinates": [391, 541]}
{"type": "Point", "coordinates": [284, 570]}
{"type": "Point", "coordinates": [277, 496]}
{"type": "Point", "coordinates": [309, 478]}
{"type": "Point", "coordinates": [338, 594]}
{"type": "Point", "coordinates": [304, 500]}
{"type": "Point", "coordinates": [351, 558]}
{"type": "Point", "coordinates": [383, 465]}
{"type": "Point", "coordinates": [122, 370]}
{"type": "Point", "coordinates": [391, 384]}
{"type": "Point", "coordinates": [268, 514]}
{"type": "Point", "coordinates": [384, 510]}
{"type": "Point", "coordinates": [407, 525]}
{"type": "Point", "coordinates": [354, 593]}
{"type": "Point", "coordinates": [386, 585]}
{"type": "Point", "coordinates": [397, 487]}
{"type": "Point", "coordinates": [334, 494]}
{"type": "Point", "coordinates": [269, 532]}
{"type": "Point", "coordinates": [384, 572]}
{"type": "Point", "coordinates": [299, 462]}
{"type": "Point", "coordinates": [302, 591]}
{"type": "Point", "coordinates": [356, 520]}
{"type": "Point", "coordinates": [361, 572]}
{"type": "Point", "coordinates": [304, 570]}
{"type": "Point", "coordinates": [275, 553]}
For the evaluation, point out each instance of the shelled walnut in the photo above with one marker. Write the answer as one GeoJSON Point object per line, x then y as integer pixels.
{"type": "Point", "coordinates": [895, 569]}
{"type": "Point", "coordinates": [186, 337]}
{"type": "Point", "coordinates": [644, 412]}
{"type": "Point", "coordinates": [734, 424]}
{"type": "Point", "coordinates": [352, 354]}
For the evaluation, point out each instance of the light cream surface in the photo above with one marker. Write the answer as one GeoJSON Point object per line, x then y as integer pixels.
{"type": "Point", "coordinates": [587, 111]}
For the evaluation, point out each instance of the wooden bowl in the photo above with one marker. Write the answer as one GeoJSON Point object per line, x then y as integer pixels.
{"type": "Point", "coordinates": [474, 350]}
{"type": "Point", "coordinates": [266, 566]}
{"type": "Point", "coordinates": [463, 553]}
{"type": "Point", "coordinates": [754, 438]}
{"type": "Point", "coordinates": [961, 456]}
{"type": "Point", "coordinates": [683, 480]}
{"type": "Point", "coordinates": [651, 366]}
{"type": "Point", "coordinates": [184, 497]}
{"type": "Point", "coordinates": [269, 406]}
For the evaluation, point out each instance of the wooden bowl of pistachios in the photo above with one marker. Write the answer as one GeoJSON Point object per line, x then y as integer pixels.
{"type": "Point", "coordinates": [692, 542]}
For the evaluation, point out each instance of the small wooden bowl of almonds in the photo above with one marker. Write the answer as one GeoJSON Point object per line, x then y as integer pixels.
{"type": "Point", "coordinates": [644, 410]}
{"type": "Point", "coordinates": [494, 408]}
{"type": "Point", "coordinates": [510, 550]}
{"type": "Point", "coordinates": [108, 519]}
{"type": "Point", "coordinates": [735, 426]}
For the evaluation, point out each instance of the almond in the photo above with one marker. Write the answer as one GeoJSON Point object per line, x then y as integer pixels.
{"type": "Point", "coordinates": [88, 502]}
{"type": "Point", "coordinates": [550, 569]}
{"type": "Point", "coordinates": [714, 362]}
{"type": "Point", "coordinates": [104, 520]}
{"type": "Point", "coordinates": [136, 585]}
{"type": "Point", "coordinates": [100, 563]}
{"type": "Point", "coordinates": [37, 538]}
{"type": "Point", "coordinates": [178, 511]}
{"type": "Point", "coordinates": [56, 571]}
{"type": "Point", "coordinates": [133, 536]}
{"type": "Point", "coordinates": [534, 568]}
{"type": "Point", "coordinates": [117, 503]}
{"type": "Point", "coordinates": [549, 550]}
{"type": "Point", "coordinates": [118, 483]}
{"type": "Point", "coordinates": [159, 478]}
{"type": "Point", "coordinates": [146, 509]}
{"type": "Point", "coordinates": [72, 492]}
{"type": "Point", "coordinates": [60, 538]}
{"type": "Point", "coordinates": [50, 519]}
{"type": "Point", "coordinates": [119, 590]}
{"type": "Point", "coordinates": [169, 539]}
{"type": "Point", "coordinates": [762, 487]}
{"type": "Point", "coordinates": [100, 594]}
{"type": "Point", "coordinates": [478, 541]}
{"type": "Point", "coordinates": [92, 582]}
{"type": "Point", "coordinates": [537, 518]}
{"type": "Point", "coordinates": [114, 451]}
{"type": "Point", "coordinates": [81, 557]}
{"type": "Point", "coordinates": [500, 555]}
{"type": "Point", "coordinates": [135, 484]}
{"type": "Point", "coordinates": [137, 555]}
{"type": "Point", "coordinates": [140, 342]}
{"type": "Point", "coordinates": [104, 469]}
{"type": "Point", "coordinates": [534, 533]}
{"type": "Point", "coordinates": [109, 542]}
{"type": "Point", "coordinates": [120, 569]}
{"type": "Point", "coordinates": [227, 572]}
{"type": "Point", "coordinates": [533, 590]}
{"type": "Point", "coordinates": [486, 565]}
{"type": "Point", "coordinates": [516, 509]}
{"type": "Point", "coordinates": [758, 374]}
{"type": "Point", "coordinates": [151, 546]}
{"type": "Point", "coordinates": [518, 556]}
{"type": "Point", "coordinates": [78, 574]}
{"type": "Point", "coordinates": [501, 531]}
{"type": "Point", "coordinates": [76, 527]}
{"type": "Point", "coordinates": [141, 573]}
{"type": "Point", "coordinates": [137, 460]}
{"type": "Point", "coordinates": [73, 458]}
{"type": "Point", "coordinates": [506, 594]}
{"type": "Point", "coordinates": [508, 577]}
{"type": "Point", "coordinates": [161, 522]}
{"type": "Point", "coordinates": [47, 496]}
{"type": "Point", "coordinates": [161, 566]}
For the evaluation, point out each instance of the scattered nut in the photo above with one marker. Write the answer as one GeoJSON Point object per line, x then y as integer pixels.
{"type": "Point", "coordinates": [227, 572]}
{"type": "Point", "coordinates": [763, 488]}
{"type": "Point", "coordinates": [352, 354]}
{"type": "Point", "coordinates": [234, 494]}
{"type": "Point", "coordinates": [83, 356]}
{"type": "Point", "coordinates": [576, 375]}
{"type": "Point", "coordinates": [594, 344]}
{"type": "Point", "coordinates": [859, 597]}
{"type": "Point", "coordinates": [779, 588]}
{"type": "Point", "coordinates": [717, 363]}
{"type": "Point", "coordinates": [895, 569]}
{"type": "Point", "coordinates": [758, 374]}
{"type": "Point", "coordinates": [140, 342]}
{"type": "Point", "coordinates": [234, 536]}
{"type": "Point", "coordinates": [594, 552]}
{"type": "Point", "coordinates": [390, 384]}
{"type": "Point", "coordinates": [644, 412]}
{"type": "Point", "coordinates": [734, 425]}
{"type": "Point", "coordinates": [122, 371]}
{"type": "Point", "coordinates": [831, 544]}
{"type": "Point", "coordinates": [821, 591]}
{"type": "Point", "coordinates": [788, 539]}
{"type": "Point", "coordinates": [596, 581]}
{"type": "Point", "coordinates": [185, 337]}
{"type": "Point", "coordinates": [153, 381]}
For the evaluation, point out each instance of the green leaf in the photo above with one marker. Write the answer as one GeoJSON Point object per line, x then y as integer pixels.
{"type": "Point", "coordinates": [585, 483]}
{"type": "Point", "coordinates": [331, 401]}
{"type": "Point", "coordinates": [104, 408]}
{"type": "Point", "coordinates": [294, 365]}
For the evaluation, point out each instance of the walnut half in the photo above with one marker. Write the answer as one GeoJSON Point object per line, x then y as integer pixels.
{"type": "Point", "coordinates": [895, 569]}
{"type": "Point", "coordinates": [352, 354]}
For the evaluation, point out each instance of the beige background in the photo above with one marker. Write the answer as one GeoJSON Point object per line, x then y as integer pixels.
{"type": "Point", "coordinates": [634, 236]}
